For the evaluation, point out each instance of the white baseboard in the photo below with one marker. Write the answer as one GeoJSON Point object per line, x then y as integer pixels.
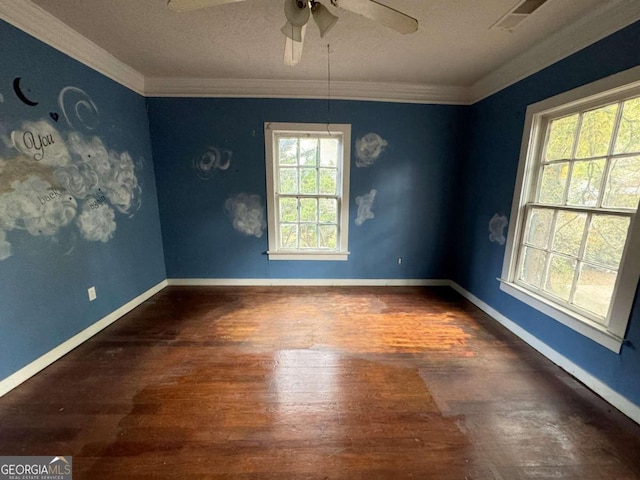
{"type": "Point", "coordinates": [620, 402]}
{"type": "Point", "coordinates": [304, 282]}
{"type": "Point", "coordinates": [48, 358]}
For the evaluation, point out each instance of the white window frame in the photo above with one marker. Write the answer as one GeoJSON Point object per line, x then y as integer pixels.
{"type": "Point", "coordinates": [609, 89]}
{"type": "Point", "coordinates": [271, 130]}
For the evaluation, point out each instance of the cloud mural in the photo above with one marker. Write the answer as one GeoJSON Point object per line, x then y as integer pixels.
{"type": "Point", "coordinates": [41, 142]}
{"type": "Point", "coordinates": [247, 214]}
{"type": "Point", "coordinates": [78, 109]}
{"type": "Point", "coordinates": [36, 206]}
{"type": "Point", "coordinates": [97, 171]}
{"type": "Point", "coordinates": [44, 177]}
{"type": "Point", "coordinates": [496, 228]}
{"type": "Point", "coordinates": [368, 149]}
{"type": "Point", "coordinates": [96, 222]}
{"type": "Point", "coordinates": [5, 247]}
{"type": "Point", "coordinates": [365, 204]}
{"type": "Point", "coordinates": [211, 161]}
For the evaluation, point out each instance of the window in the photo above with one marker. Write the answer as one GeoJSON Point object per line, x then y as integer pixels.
{"type": "Point", "coordinates": [573, 248]}
{"type": "Point", "coordinates": [308, 190]}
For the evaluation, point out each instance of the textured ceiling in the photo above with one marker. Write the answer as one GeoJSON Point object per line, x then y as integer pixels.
{"type": "Point", "coordinates": [454, 45]}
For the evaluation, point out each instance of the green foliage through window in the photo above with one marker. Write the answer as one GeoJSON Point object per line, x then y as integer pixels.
{"type": "Point", "coordinates": [307, 189]}
{"type": "Point", "coordinates": [588, 188]}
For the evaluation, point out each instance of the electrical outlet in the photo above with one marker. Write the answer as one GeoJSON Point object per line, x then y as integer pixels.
{"type": "Point", "coordinates": [399, 260]}
{"type": "Point", "coordinates": [92, 294]}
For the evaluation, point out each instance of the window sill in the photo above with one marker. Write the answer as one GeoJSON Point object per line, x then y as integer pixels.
{"type": "Point", "coordinates": [597, 333]}
{"type": "Point", "coordinates": [327, 256]}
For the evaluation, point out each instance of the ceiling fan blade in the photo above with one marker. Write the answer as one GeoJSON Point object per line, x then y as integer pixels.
{"type": "Point", "coordinates": [293, 50]}
{"type": "Point", "coordinates": [189, 5]}
{"type": "Point", "coordinates": [376, 11]}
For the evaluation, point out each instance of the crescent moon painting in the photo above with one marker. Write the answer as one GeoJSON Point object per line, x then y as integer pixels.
{"type": "Point", "coordinates": [20, 94]}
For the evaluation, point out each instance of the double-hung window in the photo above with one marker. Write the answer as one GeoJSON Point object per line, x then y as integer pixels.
{"type": "Point", "coordinates": [307, 168]}
{"type": "Point", "coordinates": [574, 244]}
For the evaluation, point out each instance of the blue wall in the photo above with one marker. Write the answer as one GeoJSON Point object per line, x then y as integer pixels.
{"type": "Point", "coordinates": [413, 179]}
{"type": "Point", "coordinates": [79, 212]}
{"type": "Point", "coordinates": [85, 212]}
{"type": "Point", "coordinates": [488, 184]}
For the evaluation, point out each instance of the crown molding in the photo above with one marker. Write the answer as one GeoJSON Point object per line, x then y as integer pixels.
{"type": "Point", "coordinates": [307, 89]}
{"type": "Point", "coordinates": [30, 18]}
{"type": "Point", "coordinates": [610, 17]}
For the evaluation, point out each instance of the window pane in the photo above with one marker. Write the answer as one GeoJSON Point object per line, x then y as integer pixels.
{"type": "Point", "coordinates": [307, 176]}
{"type": "Point", "coordinates": [288, 210]}
{"type": "Point", "coordinates": [532, 266]}
{"type": "Point", "coordinates": [606, 239]}
{"type": "Point", "coordinates": [569, 231]}
{"type": "Point", "coordinates": [553, 184]}
{"type": "Point", "coordinates": [308, 180]}
{"type": "Point", "coordinates": [623, 184]}
{"type": "Point", "coordinates": [628, 140]}
{"type": "Point", "coordinates": [309, 151]}
{"type": "Point", "coordinates": [308, 210]}
{"type": "Point", "coordinates": [328, 183]}
{"type": "Point", "coordinates": [328, 210]}
{"type": "Point", "coordinates": [584, 187]}
{"type": "Point", "coordinates": [594, 289]}
{"type": "Point", "coordinates": [560, 276]}
{"type": "Point", "coordinates": [288, 180]}
{"type": "Point", "coordinates": [308, 236]}
{"type": "Point", "coordinates": [561, 138]}
{"type": "Point", "coordinates": [329, 152]}
{"type": "Point", "coordinates": [288, 149]}
{"type": "Point", "coordinates": [328, 236]}
{"type": "Point", "coordinates": [539, 226]}
{"type": "Point", "coordinates": [596, 131]}
{"type": "Point", "coordinates": [289, 236]}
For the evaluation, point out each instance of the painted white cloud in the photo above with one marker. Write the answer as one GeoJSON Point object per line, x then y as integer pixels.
{"type": "Point", "coordinates": [40, 186]}
{"type": "Point", "coordinates": [78, 108]}
{"type": "Point", "coordinates": [210, 161]}
{"type": "Point", "coordinates": [368, 149]}
{"type": "Point", "coordinates": [496, 228]}
{"type": "Point", "coordinates": [41, 142]}
{"type": "Point", "coordinates": [96, 222]}
{"type": "Point", "coordinates": [36, 206]}
{"type": "Point", "coordinates": [5, 247]}
{"type": "Point", "coordinates": [5, 135]}
{"type": "Point", "coordinates": [96, 171]}
{"type": "Point", "coordinates": [247, 214]}
{"type": "Point", "coordinates": [365, 204]}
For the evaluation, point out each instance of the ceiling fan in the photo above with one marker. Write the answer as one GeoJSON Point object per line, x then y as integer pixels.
{"type": "Point", "coordinates": [298, 12]}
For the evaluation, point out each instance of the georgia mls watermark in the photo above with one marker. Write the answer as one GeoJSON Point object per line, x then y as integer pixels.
{"type": "Point", "coordinates": [36, 468]}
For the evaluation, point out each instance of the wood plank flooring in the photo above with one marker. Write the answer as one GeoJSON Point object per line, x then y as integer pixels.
{"type": "Point", "coordinates": [315, 383]}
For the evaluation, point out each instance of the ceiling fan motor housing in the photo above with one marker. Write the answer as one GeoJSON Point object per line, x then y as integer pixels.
{"type": "Point", "coordinates": [297, 12]}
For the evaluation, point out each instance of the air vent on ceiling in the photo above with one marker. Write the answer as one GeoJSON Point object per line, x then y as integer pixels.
{"type": "Point", "coordinates": [514, 17]}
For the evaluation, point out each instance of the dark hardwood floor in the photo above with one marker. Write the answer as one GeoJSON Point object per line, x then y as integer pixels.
{"type": "Point", "coordinates": [315, 383]}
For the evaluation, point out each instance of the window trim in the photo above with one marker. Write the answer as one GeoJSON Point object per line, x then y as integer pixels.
{"type": "Point", "coordinates": [271, 129]}
{"type": "Point", "coordinates": [625, 83]}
